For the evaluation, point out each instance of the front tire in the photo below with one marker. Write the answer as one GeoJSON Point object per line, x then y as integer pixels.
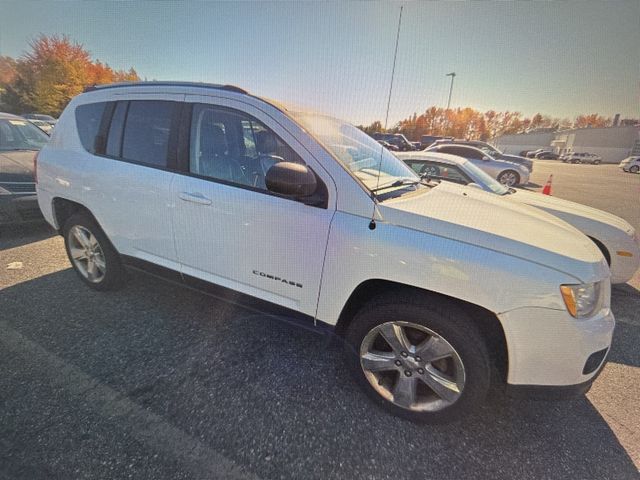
{"type": "Point", "coordinates": [419, 357]}
{"type": "Point", "coordinates": [509, 178]}
{"type": "Point", "coordinates": [91, 254]}
{"type": "Point", "coordinates": [634, 169]}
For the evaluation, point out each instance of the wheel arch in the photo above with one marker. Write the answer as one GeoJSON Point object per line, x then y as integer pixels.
{"type": "Point", "coordinates": [487, 322]}
{"type": "Point", "coordinates": [603, 249]}
{"type": "Point", "coordinates": [64, 208]}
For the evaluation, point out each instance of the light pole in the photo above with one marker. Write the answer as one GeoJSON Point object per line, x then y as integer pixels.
{"type": "Point", "coordinates": [452, 75]}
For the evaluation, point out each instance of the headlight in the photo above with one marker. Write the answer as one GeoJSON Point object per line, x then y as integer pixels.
{"type": "Point", "coordinates": [583, 300]}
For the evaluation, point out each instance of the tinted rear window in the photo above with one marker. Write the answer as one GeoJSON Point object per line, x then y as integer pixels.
{"type": "Point", "coordinates": [146, 132]}
{"type": "Point", "coordinates": [88, 118]}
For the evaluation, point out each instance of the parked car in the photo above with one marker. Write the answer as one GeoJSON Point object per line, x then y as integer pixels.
{"type": "Point", "coordinates": [507, 173]}
{"type": "Point", "coordinates": [574, 157]}
{"type": "Point", "coordinates": [533, 153]}
{"type": "Point", "coordinates": [615, 237]}
{"type": "Point", "coordinates": [547, 155]}
{"type": "Point", "coordinates": [397, 139]}
{"type": "Point", "coordinates": [388, 146]}
{"type": "Point", "coordinates": [42, 125]}
{"type": "Point", "coordinates": [41, 117]}
{"type": "Point", "coordinates": [492, 151]}
{"type": "Point", "coordinates": [427, 140]}
{"type": "Point", "coordinates": [305, 215]}
{"type": "Point", "coordinates": [19, 142]}
{"type": "Point", "coordinates": [631, 164]}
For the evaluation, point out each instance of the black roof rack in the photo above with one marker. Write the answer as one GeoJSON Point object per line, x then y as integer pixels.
{"type": "Point", "coordinates": [229, 88]}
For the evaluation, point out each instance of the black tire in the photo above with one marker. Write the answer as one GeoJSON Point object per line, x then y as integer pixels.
{"type": "Point", "coordinates": [596, 162]}
{"type": "Point", "coordinates": [449, 321]}
{"type": "Point", "coordinates": [114, 275]}
{"type": "Point", "coordinates": [509, 172]}
{"type": "Point", "coordinates": [634, 169]}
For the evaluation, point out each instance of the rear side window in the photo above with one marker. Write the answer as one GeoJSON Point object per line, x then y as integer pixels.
{"type": "Point", "coordinates": [88, 119]}
{"type": "Point", "coordinates": [146, 132]}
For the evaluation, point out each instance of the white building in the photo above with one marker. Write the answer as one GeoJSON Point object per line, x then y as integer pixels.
{"type": "Point", "coordinates": [611, 143]}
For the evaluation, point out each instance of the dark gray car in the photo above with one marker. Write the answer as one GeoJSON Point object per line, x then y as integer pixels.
{"type": "Point", "coordinates": [492, 151]}
{"type": "Point", "coordinates": [20, 140]}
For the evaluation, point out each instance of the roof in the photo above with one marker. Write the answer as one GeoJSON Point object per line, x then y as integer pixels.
{"type": "Point", "coordinates": [434, 156]}
{"type": "Point", "coordinates": [11, 116]}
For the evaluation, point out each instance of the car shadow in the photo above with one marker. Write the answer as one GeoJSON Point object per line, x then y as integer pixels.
{"type": "Point", "coordinates": [16, 235]}
{"type": "Point", "coordinates": [278, 399]}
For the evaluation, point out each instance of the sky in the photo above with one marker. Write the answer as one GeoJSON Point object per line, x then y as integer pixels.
{"type": "Point", "coordinates": [560, 59]}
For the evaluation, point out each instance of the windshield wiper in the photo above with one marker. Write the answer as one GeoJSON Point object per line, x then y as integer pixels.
{"type": "Point", "coordinates": [398, 183]}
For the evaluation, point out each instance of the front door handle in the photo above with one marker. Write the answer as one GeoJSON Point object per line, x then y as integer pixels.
{"type": "Point", "coordinates": [194, 198]}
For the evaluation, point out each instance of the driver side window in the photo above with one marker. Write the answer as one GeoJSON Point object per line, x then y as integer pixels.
{"type": "Point", "coordinates": [234, 147]}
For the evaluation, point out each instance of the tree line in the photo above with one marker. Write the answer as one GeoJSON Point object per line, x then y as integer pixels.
{"type": "Point", "coordinates": [50, 73]}
{"type": "Point", "coordinates": [472, 124]}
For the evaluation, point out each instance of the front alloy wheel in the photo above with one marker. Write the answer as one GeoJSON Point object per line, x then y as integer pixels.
{"type": "Point", "coordinates": [86, 254]}
{"type": "Point", "coordinates": [412, 366]}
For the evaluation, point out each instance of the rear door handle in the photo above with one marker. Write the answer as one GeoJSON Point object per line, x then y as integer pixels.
{"type": "Point", "coordinates": [194, 198]}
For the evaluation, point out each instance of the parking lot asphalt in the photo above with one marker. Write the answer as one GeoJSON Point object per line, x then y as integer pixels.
{"type": "Point", "coordinates": [156, 381]}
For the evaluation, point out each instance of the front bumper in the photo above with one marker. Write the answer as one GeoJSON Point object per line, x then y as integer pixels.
{"type": "Point", "coordinates": [550, 348]}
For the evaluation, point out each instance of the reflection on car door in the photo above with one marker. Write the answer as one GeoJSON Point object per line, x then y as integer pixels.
{"type": "Point", "coordinates": [229, 230]}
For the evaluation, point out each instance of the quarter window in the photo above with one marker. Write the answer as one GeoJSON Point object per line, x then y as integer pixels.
{"type": "Point", "coordinates": [88, 119]}
{"type": "Point", "coordinates": [233, 147]}
{"type": "Point", "coordinates": [146, 132]}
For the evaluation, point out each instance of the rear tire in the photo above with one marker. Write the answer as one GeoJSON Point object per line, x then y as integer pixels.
{"type": "Point", "coordinates": [91, 254]}
{"type": "Point", "coordinates": [441, 390]}
{"type": "Point", "coordinates": [634, 169]}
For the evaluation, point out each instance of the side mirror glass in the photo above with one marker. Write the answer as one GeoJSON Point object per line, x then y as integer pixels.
{"type": "Point", "coordinates": [291, 179]}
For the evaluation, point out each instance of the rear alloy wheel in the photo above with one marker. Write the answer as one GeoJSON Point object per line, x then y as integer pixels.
{"type": "Point", "coordinates": [91, 254]}
{"type": "Point", "coordinates": [86, 254]}
{"type": "Point", "coordinates": [509, 178]}
{"type": "Point", "coordinates": [634, 169]}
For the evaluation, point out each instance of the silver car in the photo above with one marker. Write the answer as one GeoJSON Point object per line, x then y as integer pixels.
{"type": "Point", "coordinates": [507, 173]}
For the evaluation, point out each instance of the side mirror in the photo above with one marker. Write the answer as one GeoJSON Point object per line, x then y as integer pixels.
{"type": "Point", "coordinates": [291, 179]}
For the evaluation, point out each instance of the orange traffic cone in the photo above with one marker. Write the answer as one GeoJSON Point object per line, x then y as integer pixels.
{"type": "Point", "coordinates": [547, 188]}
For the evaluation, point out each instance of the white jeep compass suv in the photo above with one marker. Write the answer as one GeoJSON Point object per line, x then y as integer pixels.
{"type": "Point", "coordinates": [435, 292]}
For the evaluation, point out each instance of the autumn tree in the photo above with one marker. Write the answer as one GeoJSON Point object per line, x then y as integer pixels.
{"type": "Point", "coordinates": [591, 120]}
{"type": "Point", "coordinates": [53, 71]}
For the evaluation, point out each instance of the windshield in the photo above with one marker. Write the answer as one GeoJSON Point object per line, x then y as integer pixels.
{"type": "Point", "coordinates": [21, 135]}
{"type": "Point", "coordinates": [483, 179]}
{"type": "Point", "coordinates": [364, 157]}
{"type": "Point", "coordinates": [490, 150]}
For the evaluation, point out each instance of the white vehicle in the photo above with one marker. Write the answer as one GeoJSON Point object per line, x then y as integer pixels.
{"type": "Point", "coordinates": [507, 173]}
{"type": "Point", "coordinates": [631, 164]}
{"type": "Point", "coordinates": [308, 216]}
{"type": "Point", "coordinates": [615, 237]}
{"type": "Point", "coordinates": [581, 157]}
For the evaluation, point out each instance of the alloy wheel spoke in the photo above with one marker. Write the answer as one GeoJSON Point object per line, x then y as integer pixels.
{"type": "Point", "coordinates": [77, 253]}
{"type": "Point", "coordinates": [99, 262]}
{"type": "Point", "coordinates": [442, 386]}
{"type": "Point", "coordinates": [432, 349]}
{"type": "Point", "coordinates": [378, 361]}
{"type": "Point", "coordinates": [81, 237]}
{"type": "Point", "coordinates": [395, 337]}
{"type": "Point", "coordinates": [405, 391]}
{"type": "Point", "coordinates": [91, 269]}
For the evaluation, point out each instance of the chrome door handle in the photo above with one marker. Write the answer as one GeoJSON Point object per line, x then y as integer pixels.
{"type": "Point", "coordinates": [194, 198]}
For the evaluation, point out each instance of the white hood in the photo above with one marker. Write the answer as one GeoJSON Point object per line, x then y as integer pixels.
{"type": "Point", "coordinates": [574, 213]}
{"type": "Point", "coordinates": [472, 216]}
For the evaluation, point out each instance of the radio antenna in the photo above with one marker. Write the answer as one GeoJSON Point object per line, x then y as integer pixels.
{"type": "Point", "coordinates": [372, 223]}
